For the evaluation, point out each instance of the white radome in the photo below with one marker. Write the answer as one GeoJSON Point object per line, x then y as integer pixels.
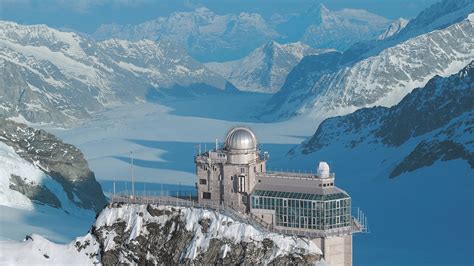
{"type": "Point", "coordinates": [323, 170]}
{"type": "Point", "coordinates": [240, 138]}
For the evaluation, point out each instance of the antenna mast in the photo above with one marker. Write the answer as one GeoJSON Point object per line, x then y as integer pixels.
{"type": "Point", "coordinates": [133, 178]}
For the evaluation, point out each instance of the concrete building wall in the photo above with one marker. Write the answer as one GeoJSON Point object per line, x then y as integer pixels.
{"type": "Point", "coordinates": [212, 174]}
{"type": "Point", "coordinates": [337, 251]}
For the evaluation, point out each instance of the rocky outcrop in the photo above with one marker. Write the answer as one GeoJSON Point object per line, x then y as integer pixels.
{"type": "Point", "coordinates": [34, 192]}
{"type": "Point", "coordinates": [150, 234]}
{"type": "Point", "coordinates": [438, 118]}
{"type": "Point", "coordinates": [454, 142]}
{"type": "Point", "coordinates": [63, 162]}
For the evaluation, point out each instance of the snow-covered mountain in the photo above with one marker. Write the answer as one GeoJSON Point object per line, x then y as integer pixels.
{"type": "Point", "coordinates": [393, 29]}
{"type": "Point", "coordinates": [211, 37]}
{"type": "Point", "coordinates": [342, 28]}
{"type": "Point", "coordinates": [150, 234]}
{"type": "Point", "coordinates": [206, 35]}
{"type": "Point", "coordinates": [265, 69]}
{"type": "Point", "coordinates": [326, 84]}
{"type": "Point", "coordinates": [407, 165]}
{"type": "Point", "coordinates": [44, 179]}
{"type": "Point", "coordinates": [54, 76]}
{"type": "Point", "coordinates": [436, 122]}
{"type": "Point", "coordinates": [438, 16]}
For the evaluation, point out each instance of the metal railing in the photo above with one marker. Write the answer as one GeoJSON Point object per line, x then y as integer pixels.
{"type": "Point", "coordinates": [291, 175]}
{"type": "Point", "coordinates": [357, 224]}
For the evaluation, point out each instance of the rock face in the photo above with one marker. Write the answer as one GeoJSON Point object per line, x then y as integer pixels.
{"type": "Point", "coordinates": [149, 234]}
{"type": "Point", "coordinates": [438, 118]}
{"type": "Point", "coordinates": [51, 76]}
{"type": "Point", "coordinates": [63, 162]}
{"type": "Point", "coordinates": [163, 235]}
{"type": "Point", "coordinates": [265, 69]}
{"type": "Point", "coordinates": [382, 79]}
{"type": "Point", "coordinates": [394, 28]}
{"type": "Point", "coordinates": [34, 192]}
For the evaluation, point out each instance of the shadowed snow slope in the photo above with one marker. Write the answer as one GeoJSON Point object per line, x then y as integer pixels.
{"type": "Point", "coordinates": [37, 250]}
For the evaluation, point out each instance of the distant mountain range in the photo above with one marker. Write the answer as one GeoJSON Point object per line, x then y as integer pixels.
{"type": "Point", "coordinates": [211, 37]}
{"type": "Point", "coordinates": [377, 73]}
{"type": "Point", "coordinates": [206, 35]}
{"type": "Point", "coordinates": [59, 77]}
{"type": "Point", "coordinates": [265, 69]}
{"type": "Point", "coordinates": [430, 124]}
{"type": "Point", "coordinates": [340, 29]}
{"type": "Point", "coordinates": [52, 76]}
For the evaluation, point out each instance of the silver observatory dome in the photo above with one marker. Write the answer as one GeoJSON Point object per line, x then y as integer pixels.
{"type": "Point", "coordinates": [240, 138]}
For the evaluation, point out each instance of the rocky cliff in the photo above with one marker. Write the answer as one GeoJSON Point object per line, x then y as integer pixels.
{"type": "Point", "coordinates": [163, 235]}
{"type": "Point", "coordinates": [149, 234]}
{"type": "Point", "coordinates": [434, 122]}
{"type": "Point", "coordinates": [63, 162]}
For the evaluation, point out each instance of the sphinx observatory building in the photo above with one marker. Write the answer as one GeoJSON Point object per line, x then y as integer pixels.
{"type": "Point", "coordinates": [304, 204]}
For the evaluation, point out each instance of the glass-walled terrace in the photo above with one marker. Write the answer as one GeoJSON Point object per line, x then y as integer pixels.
{"type": "Point", "coordinates": [301, 210]}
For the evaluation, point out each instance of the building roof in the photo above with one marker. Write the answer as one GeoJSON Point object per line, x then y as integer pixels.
{"type": "Point", "coordinates": [296, 188]}
{"type": "Point", "coordinates": [240, 138]}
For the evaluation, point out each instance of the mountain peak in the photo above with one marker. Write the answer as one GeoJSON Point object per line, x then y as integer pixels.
{"type": "Point", "coordinates": [323, 8]}
{"type": "Point", "coordinates": [438, 16]}
{"type": "Point", "coordinates": [202, 9]}
{"type": "Point", "coordinates": [316, 11]}
{"type": "Point", "coordinates": [393, 29]}
{"type": "Point", "coordinates": [264, 69]}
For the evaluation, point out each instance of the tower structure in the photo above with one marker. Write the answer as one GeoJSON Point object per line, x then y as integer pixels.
{"type": "Point", "coordinates": [227, 175]}
{"type": "Point", "coordinates": [292, 203]}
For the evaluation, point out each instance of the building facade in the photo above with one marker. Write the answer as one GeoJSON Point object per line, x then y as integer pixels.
{"type": "Point", "coordinates": [308, 204]}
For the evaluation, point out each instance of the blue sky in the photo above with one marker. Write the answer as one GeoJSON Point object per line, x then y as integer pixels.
{"type": "Point", "coordinates": [87, 15]}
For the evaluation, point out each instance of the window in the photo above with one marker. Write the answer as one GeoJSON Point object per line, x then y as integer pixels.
{"type": "Point", "coordinates": [242, 170]}
{"type": "Point", "coordinates": [242, 184]}
{"type": "Point", "coordinates": [202, 181]}
{"type": "Point", "coordinates": [206, 195]}
{"type": "Point", "coordinates": [244, 199]}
